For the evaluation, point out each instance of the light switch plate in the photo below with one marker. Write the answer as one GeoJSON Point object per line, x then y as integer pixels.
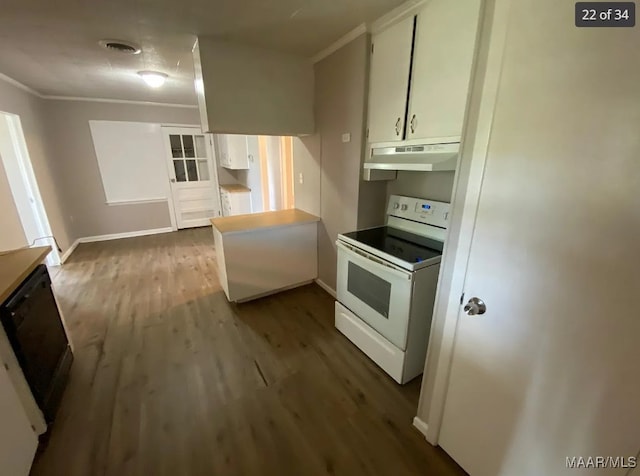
{"type": "Point", "coordinates": [346, 137]}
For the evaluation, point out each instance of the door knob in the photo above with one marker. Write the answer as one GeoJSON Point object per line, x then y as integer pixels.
{"type": "Point", "coordinates": [173, 180]}
{"type": "Point", "coordinates": [475, 306]}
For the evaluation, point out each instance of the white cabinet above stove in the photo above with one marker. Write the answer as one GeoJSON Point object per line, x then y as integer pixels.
{"type": "Point", "coordinates": [244, 89]}
{"type": "Point", "coordinates": [419, 77]}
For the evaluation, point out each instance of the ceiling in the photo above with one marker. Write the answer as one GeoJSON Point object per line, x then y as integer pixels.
{"type": "Point", "coordinates": [52, 46]}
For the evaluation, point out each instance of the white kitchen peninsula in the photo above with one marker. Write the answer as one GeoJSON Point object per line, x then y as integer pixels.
{"type": "Point", "coordinates": [263, 253]}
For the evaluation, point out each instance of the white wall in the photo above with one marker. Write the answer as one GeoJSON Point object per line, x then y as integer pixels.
{"type": "Point", "coordinates": [251, 90]}
{"type": "Point", "coordinates": [75, 157]}
{"type": "Point", "coordinates": [332, 169]}
{"type": "Point", "coordinates": [430, 185]}
{"type": "Point", "coordinates": [306, 173]}
{"type": "Point", "coordinates": [127, 152]}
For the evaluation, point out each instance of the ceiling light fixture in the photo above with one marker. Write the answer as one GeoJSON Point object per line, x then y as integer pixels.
{"type": "Point", "coordinates": [154, 79]}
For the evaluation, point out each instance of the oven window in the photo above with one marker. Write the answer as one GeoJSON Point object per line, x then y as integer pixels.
{"type": "Point", "coordinates": [369, 288]}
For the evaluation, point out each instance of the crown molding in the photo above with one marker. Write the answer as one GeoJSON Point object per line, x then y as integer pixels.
{"type": "Point", "coordinates": [339, 43]}
{"type": "Point", "coordinates": [120, 101]}
{"type": "Point", "coordinates": [408, 8]}
{"type": "Point", "coordinates": [19, 85]}
{"type": "Point", "coordinates": [26, 88]}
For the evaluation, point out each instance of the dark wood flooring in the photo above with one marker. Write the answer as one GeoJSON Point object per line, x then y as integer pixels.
{"type": "Point", "coordinates": [171, 379]}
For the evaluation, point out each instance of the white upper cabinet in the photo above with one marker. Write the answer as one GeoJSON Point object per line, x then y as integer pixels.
{"type": "Point", "coordinates": [244, 89]}
{"type": "Point", "coordinates": [443, 55]}
{"type": "Point", "coordinates": [420, 72]}
{"type": "Point", "coordinates": [389, 83]}
{"type": "Point", "coordinates": [233, 151]}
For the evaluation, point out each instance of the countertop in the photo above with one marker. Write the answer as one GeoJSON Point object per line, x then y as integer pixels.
{"type": "Point", "coordinates": [16, 265]}
{"type": "Point", "coordinates": [235, 188]}
{"type": "Point", "coordinates": [257, 221]}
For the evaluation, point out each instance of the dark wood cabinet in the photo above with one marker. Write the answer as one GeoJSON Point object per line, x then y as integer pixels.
{"type": "Point", "coordinates": [33, 325]}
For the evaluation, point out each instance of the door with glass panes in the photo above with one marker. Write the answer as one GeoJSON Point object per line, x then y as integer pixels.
{"type": "Point", "coordinates": [194, 182]}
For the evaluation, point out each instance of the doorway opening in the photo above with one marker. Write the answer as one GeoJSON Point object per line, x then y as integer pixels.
{"type": "Point", "coordinates": [255, 173]}
{"type": "Point", "coordinates": [24, 187]}
{"type": "Point", "coordinates": [276, 172]}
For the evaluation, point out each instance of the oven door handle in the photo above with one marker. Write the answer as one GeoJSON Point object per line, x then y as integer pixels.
{"type": "Point", "coordinates": [390, 267]}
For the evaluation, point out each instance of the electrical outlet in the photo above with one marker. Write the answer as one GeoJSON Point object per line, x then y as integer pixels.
{"type": "Point", "coordinates": [346, 137]}
{"type": "Point", "coordinates": [300, 178]}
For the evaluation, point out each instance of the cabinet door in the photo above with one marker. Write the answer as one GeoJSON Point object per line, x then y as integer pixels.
{"type": "Point", "coordinates": [443, 53]}
{"type": "Point", "coordinates": [238, 152]}
{"type": "Point", "coordinates": [389, 81]}
{"type": "Point", "coordinates": [223, 150]}
{"type": "Point", "coordinates": [243, 203]}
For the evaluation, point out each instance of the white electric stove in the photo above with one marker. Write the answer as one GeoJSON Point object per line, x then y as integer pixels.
{"type": "Point", "coordinates": [386, 284]}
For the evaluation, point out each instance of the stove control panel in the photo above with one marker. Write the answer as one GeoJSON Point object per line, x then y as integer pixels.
{"type": "Point", "coordinates": [419, 210]}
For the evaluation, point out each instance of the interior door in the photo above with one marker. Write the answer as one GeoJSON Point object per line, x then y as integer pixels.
{"type": "Point", "coordinates": [550, 371]}
{"type": "Point", "coordinates": [389, 81]}
{"type": "Point", "coordinates": [442, 58]}
{"type": "Point", "coordinates": [194, 182]}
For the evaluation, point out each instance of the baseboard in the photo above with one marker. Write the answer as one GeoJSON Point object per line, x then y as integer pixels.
{"type": "Point", "coordinates": [275, 291]}
{"type": "Point", "coordinates": [129, 234]}
{"type": "Point", "coordinates": [327, 288]}
{"type": "Point", "coordinates": [67, 253]}
{"type": "Point", "coordinates": [421, 426]}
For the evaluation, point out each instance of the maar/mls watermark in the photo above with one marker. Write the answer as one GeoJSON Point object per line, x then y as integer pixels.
{"type": "Point", "coordinates": [593, 462]}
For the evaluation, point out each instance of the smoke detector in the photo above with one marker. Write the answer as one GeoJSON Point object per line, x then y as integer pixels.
{"type": "Point", "coordinates": [120, 46]}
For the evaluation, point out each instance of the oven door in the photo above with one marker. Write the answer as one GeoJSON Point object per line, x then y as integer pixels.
{"type": "Point", "coordinates": [378, 292]}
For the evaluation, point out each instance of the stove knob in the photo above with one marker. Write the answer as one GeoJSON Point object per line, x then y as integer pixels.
{"type": "Point", "coordinates": [404, 207]}
{"type": "Point", "coordinates": [396, 206]}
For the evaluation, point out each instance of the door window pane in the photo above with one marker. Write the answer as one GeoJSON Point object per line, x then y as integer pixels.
{"type": "Point", "coordinates": [176, 146]}
{"type": "Point", "coordinates": [178, 166]}
{"type": "Point", "coordinates": [203, 169]}
{"type": "Point", "coordinates": [201, 148]}
{"type": "Point", "coordinates": [369, 288]}
{"type": "Point", "coordinates": [189, 151]}
{"type": "Point", "coordinates": [192, 170]}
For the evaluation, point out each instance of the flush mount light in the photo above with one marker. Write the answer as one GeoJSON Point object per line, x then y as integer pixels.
{"type": "Point", "coordinates": [153, 79]}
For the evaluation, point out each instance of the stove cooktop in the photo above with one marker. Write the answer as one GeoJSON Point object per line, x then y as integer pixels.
{"type": "Point", "coordinates": [401, 244]}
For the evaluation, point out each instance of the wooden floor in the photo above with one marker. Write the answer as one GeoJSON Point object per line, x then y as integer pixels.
{"type": "Point", "coordinates": [171, 379]}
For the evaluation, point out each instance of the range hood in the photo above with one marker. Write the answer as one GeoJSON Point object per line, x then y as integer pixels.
{"type": "Point", "coordinates": [419, 158]}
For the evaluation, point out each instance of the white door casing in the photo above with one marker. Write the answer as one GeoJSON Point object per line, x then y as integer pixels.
{"type": "Point", "coordinates": [550, 371]}
{"type": "Point", "coordinates": [24, 186]}
{"type": "Point", "coordinates": [192, 176]}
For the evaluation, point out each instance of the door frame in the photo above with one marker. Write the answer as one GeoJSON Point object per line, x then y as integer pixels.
{"type": "Point", "coordinates": [29, 183]}
{"type": "Point", "coordinates": [485, 83]}
{"type": "Point", "coordinates": [213, 169]}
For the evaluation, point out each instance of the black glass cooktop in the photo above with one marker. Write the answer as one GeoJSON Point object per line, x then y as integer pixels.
{"type": "Point", "coordinates": [401, 244]}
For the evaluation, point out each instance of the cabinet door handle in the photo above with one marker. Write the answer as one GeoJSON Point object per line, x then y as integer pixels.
{"type": "Point", "coordinates": [414, 123]}
{"type": "Point", "coordinates": [398, 126]}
